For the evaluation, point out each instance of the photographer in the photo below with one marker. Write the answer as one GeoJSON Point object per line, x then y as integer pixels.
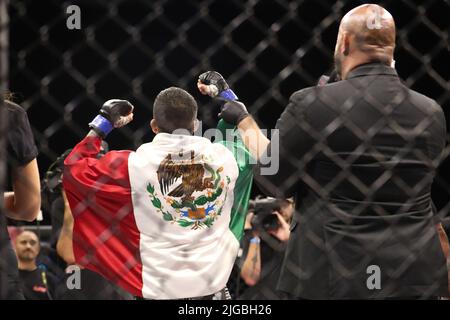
{"type": "Point", "coordinates": [264, 243]}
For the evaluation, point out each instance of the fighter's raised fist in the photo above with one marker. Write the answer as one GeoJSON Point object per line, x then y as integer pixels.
{"type": "Point", "coordinates": [213, 84]}
{"type": "Point", "coordinates": [115, 113]}
{"type": "Point", "coordinates": [118, 112]}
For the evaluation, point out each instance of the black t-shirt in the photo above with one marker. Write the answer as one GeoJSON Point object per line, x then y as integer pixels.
{"type": "Point", "coordinates": [33, 285]}
{"type": "Point", "coordinates": [21, 149]}
{"type": "Point", "coordinates": [272, 254]}
{"type": "Point", "coordinates": [20, 141]}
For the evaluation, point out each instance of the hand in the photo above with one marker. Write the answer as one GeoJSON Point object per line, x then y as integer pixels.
{"type": "Point", "coordinates": [114, 113]}
{"type": "Point", "coordinates": [282, 233]}
{"type": "Point", "coordinates": [118, 112]}
{"type": "Point", "coordinates": [233, 112]}
{"type": "Point", "coordinates": [213, 84]}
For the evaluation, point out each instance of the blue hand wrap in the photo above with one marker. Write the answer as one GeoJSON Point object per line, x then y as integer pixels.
{"type": "Point", "coordinates": [102, 124]}
{"type": "Point", "coordinates": [228, 95]}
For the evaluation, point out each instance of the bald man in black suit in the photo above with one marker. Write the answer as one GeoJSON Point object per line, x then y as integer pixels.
{"type": "Point", "coordinates": [360, 156]}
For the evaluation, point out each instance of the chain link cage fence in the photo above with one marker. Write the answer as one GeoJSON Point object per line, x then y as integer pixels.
{"type": "Point", "coordinates": [266, 49]}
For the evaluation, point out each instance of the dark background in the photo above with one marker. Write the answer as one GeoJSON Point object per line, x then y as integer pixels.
{"type": "Point", "coordinates": [133, 49]}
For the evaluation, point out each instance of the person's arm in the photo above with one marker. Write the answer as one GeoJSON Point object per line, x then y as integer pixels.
{"type": "Point", "coordinates": [86, 176]}
{"type": "Point", "coordinates": [233, 112]}
{"type": "Point", "coordinates": [251, 269]}
{"type": "Point", "coordinates": [445, 247]}
{"type": "Point", "coordinates": [113, 114]}
{"type": "Point", "coordinates": [443, 239]}
{"type": "Point", "coordinates": [212, 83]}
{"type": "Point", "coordinates": [64, 246]}
{"type": "Point", "coordinates": [291, 147]}
{"type": "Point", "coordinates": [24, 202]}
{"type": "Point", "coordinates": [253, 138]}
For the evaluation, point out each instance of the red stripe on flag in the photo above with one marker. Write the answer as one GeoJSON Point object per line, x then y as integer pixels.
{"type": "Point", "coordinates": [105, 236]}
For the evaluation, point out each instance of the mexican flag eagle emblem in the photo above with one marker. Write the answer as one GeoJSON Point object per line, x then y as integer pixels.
{"type": "Point", "coordinates": [190, 191]}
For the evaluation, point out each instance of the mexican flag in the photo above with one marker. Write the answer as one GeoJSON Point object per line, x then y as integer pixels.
{"type": "Point", "coordinates": [163, 222]}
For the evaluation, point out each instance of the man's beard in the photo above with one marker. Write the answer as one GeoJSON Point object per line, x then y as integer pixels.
{"type": "Point", "coordinates": [27, 256]}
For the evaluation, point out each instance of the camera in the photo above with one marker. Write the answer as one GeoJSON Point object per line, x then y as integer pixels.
{"type": "Point", "coordinates": [53, 177]}
{"type": "Point", "coordinates": [263, 209]}
{"type": "Point", "coordinates": [51, 190]}
{"type": "Point", "coordinates": [52, 182]}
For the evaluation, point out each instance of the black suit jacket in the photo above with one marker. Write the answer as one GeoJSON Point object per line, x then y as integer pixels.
{"type": "Point", "coordinates": [360, 156]}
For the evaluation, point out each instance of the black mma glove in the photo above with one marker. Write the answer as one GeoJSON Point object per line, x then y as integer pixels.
{"type": "Point", "coordinates": [233, 112]}
{"type": "Point", "coordinates": [217, 86]}
{"type": "Point", "coordinates": [114, 113]}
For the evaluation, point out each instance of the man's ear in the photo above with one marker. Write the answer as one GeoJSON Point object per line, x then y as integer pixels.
{"type": "Point", "coordinates": [196, 124]}
{"type": "Point", "coordinates": [345, 46]}
{"type": "Point", "coordinates": [154, 126]}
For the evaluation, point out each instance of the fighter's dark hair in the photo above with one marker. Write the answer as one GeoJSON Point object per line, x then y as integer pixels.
{"type": "Point", "coordinates": [174, 108]}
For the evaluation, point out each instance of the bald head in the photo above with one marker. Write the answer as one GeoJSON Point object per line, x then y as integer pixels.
{"type": "Point", "coordinates": [366, 34]}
